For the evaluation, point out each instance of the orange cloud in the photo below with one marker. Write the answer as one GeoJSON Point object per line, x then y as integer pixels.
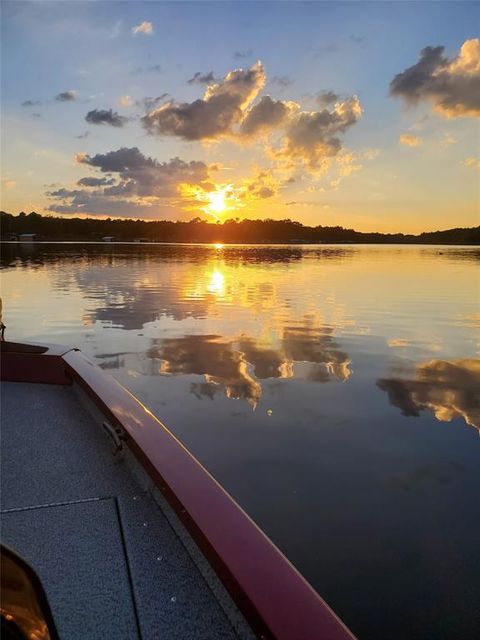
{"type": "Point", "coordinates": [144, 27]}
{"type": "Point", "coordinates": [409, 140]}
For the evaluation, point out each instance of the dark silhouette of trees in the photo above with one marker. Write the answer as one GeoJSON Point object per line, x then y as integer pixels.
{"type": "Point", "coordinates": [231, 231]}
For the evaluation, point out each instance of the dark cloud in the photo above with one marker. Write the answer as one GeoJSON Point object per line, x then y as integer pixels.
{"type": "Point", "coordinates": [83, 135]}
{"type": "Point", "coordinates": [281, 81]}
{"type": "Point", "coordinates": [123, 159]}
{"type": "Point", "coordinates": [241, 55]}
{"type": "Point", "coordinates": [360, 40]}
{"type": "Point", "coordinates": [31, 103]}
{"type": "Point", "coordinates": [325, 50]}
{"type": "Point", "coordinates": [36, 115]}
{"type": "Point", "coordinates": [213, 116]}
{"type": "Point", "coordinates": [90, 181]}
{"type": "Point", "coordinates": [104, 116]}
{"type": "Point", "coordinates": [149, 102]}
{"type": "Point", "coordinates": [62, 193]}
{"type": "Point", "coordinates": [156, 68]}
{"type": "Point", "coordinates": [451, 85]}
{"type": "Point", "coordinates": [325, 98]}
{"type": "Point", "coordinates": [202, 78]}
{"type": "Point", "coordinates": [95, 205]}
{"type": "Point", "coordinates": [261, 186]}
{"type": "Point", "coordinates": [410, 83]}
{"type": "Point", "coordinates": [140, 187]}
{"type": "Point", "coordinates": [448, 388]}
{"type": "Point", "coordinates": [146, 176]}
{"type": "Point", "coordinates": [66, 96]}
{"type": "Point", "coordinates": [266, 115]}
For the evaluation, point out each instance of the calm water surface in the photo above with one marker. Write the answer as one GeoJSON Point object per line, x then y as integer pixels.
{"type": "Point", "coordinates": [334, 391]}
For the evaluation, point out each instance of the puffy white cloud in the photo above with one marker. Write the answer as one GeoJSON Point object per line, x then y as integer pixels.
{"type": "Point", "coordinates": [145, 28]}
{"type": "Point", "coordinates": [312, 137]}
{"type": "Point", "coordinates": [222, 106]}
{"type": "Point", "coordinates": [228, 110]}
{"type": "Point", "coordinates": [409, 140]}
{"type": "Point", "coordinates": [452, 86]}
{"type": "Point", "coordinates": [266, 115]}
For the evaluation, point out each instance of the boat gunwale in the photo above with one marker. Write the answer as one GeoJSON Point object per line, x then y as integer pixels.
{"type": "Point", "coordinates": [274, 597]}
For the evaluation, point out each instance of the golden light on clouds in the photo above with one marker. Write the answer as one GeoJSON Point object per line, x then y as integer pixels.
{"type": "Point", "coordinates": [222, 199]}
{"type": "Point", "coordinates": [408, 140]}
{"type": "Point", "coordinates": [472, 163]}
{"type": "Point", "coordinates": [216, 204]}
{"type": "Point", "coordinates": [144, 27]}
{"type": "Point", "coordinates": [447, 388]}
{"type": "Point", "coordinates": [125, 101]}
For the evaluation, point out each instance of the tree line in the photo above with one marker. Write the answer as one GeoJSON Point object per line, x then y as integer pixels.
{"type": "Point", "coordinates": [197, 230]}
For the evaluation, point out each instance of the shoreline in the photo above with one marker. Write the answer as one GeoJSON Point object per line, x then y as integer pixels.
{"type": "Point", "coordinates": [222, 245]}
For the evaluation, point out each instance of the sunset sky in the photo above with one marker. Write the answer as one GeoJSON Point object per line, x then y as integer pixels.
{"type": "Point", "coordinates": [358, 114]}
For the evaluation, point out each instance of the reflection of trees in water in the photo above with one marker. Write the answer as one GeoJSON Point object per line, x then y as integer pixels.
{"type": "Point", "coordinates": [22, 254]}
{"type": "Point", "coordinates": [236, 366]}
{"type": "Point", "coordinates": [39, 254]}
{"type": "Point", "coordinates": [448, 388]}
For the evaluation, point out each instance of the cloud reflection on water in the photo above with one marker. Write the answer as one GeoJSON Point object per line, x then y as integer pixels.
{"type": "Point", "coordinates": [448, 388]}
{"type": "Point", "coordinates": [237, 366]}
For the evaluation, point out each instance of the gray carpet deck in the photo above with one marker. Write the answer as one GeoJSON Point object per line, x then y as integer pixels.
{"type": "Point", "coordinates": [111, 563]}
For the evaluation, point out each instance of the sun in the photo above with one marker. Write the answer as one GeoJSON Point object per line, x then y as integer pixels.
{"type": "Point", "coordinates": [216, 202]}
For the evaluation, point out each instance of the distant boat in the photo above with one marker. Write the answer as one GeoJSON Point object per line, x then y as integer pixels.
{"type": "Point", "coordinates": [126, 530]}
{"type": "Point", "coordinates": [27, 237]}
{"type": "Point", "coordinates": [108, 238]}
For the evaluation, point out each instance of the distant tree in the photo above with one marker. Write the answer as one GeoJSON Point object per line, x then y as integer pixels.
{"type": "Point", "coordinates": [197, 230]}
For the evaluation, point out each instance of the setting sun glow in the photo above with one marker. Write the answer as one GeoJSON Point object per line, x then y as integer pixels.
{"type": "Point", "coordinates": [216, 203]}
{"type": "Point", "coordinates": [221, 199]}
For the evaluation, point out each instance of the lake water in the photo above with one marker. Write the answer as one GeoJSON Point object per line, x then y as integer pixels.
{"type": "Point", "coordinates": [334, 391]}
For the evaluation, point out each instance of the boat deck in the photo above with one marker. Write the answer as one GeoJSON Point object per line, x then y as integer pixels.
{"type": "Point", "coordinates": [114, 561]}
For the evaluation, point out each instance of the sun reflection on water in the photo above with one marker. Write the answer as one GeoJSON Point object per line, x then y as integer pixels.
{"type": "Point", "coordinates": [216, 284]}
